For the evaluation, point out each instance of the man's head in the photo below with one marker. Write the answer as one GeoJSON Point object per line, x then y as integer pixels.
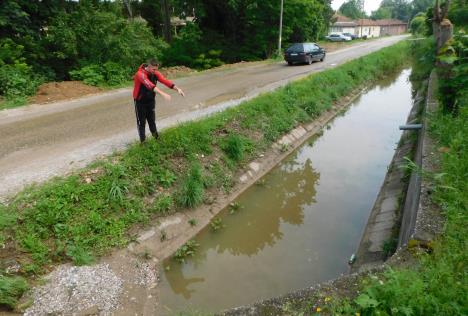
{"type": "Point", "coordinates": [152, 64]}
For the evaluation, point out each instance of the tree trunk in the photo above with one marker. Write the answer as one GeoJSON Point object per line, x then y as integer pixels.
{"type": "Point", "coordinates": [167, 21]}
{"type": "Point", "coordinates": [445, 33]}
{"type": "Point", "coordinates": [129, 8]}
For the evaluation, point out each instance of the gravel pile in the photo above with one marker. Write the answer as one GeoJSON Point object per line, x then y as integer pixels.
{"type": "Point", "coordinates": [145, 274]}
{"type": "Point", "coordinates": [70, 290]}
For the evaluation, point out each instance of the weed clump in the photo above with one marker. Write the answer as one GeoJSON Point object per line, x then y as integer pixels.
{"type": "Point", "coordinates": [11, 289]}
{"type": "Point", "coordinates": [234, 147]}
{"type": "Point", "coordinates": [192, 190]}
{"type": "Point", "coordinates": [187, 250]}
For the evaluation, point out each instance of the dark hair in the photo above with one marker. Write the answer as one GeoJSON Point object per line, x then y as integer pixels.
{"type": "Point", "coordinates": [153, 62]}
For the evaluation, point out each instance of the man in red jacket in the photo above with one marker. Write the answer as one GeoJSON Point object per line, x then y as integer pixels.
{"type": "Point", "coordinates": [144, 93]}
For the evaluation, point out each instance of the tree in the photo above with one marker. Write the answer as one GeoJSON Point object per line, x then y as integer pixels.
{"type": "Point", "coordinates": [353, 9]}
{"type": "Point", "coordinates": [441, 26]}
{"type": "Point", "coordinates": [421, 6]}
{"type": "Point", "coordinates": [381, 13]}
{"type": "Point", "coordinates": [418, 24]}
{"type": "Point", "coordinates": [399, 9]}
{"type": "Point", "coordinates": [458, 12]}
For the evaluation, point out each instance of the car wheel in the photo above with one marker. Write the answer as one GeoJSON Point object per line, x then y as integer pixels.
{"type": "Point", "coordinates": [322, 57]}
{"type": "Point", "coordinates": [290, 63]}
{"type": "Point", "coordinates": [309, 61]}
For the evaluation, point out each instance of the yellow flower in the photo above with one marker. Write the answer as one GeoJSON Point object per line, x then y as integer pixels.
{"type": "Point", "coordinates": [358, 314]}
{"type": "Point", "coordinates": [318, 309]}
{"type": "Point", "coordinates": [327, 299]}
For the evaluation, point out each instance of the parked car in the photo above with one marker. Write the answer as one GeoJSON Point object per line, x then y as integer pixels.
{"type": "Point", "coordinates": [353, 36]}
{"type": "Point", "coordinates": [304, 53]}
{"type": "Point", "coordinates": [338, 38]}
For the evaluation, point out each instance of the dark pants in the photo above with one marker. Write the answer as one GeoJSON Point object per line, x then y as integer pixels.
{"type": "Point", "coordinates": [145, 112]}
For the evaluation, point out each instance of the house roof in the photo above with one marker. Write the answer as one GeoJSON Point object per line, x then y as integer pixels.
{"type": "Point", "coordinates": [388, 22]}
{"type": "Point", "coordinates": [367, 22]}
{"type": "Point", "coordinates": [341, 20]}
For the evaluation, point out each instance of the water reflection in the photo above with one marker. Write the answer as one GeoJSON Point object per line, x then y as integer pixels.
{"type": "Point", "coordinates": [281, 199]}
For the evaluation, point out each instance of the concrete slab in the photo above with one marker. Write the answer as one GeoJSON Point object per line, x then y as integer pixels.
{"type": "Point", "coordinates": [146, 235]}
{"type": "Point", "coordinates": [255, 166]}
{"type": "Point", "coordinates": [381, 226]}
{"type": "Point", "coordinates": [389, 204]}
{"type": "Point", "coordinates": [385, 217]}
{"type": "Point", "coordinates": [243, 178]}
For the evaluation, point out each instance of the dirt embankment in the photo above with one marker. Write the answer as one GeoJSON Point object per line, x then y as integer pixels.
{"type": "Point", "coordinates": [65, 90]}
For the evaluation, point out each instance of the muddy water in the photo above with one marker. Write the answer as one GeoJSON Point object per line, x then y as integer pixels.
{"type": "Point", "coordinates": [303, 220]}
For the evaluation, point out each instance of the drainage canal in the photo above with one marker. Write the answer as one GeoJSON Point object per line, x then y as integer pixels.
{"type": "Point", "coordinates": [299, 225]}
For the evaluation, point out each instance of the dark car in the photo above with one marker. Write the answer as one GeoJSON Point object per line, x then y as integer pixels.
{"type": "Point", "coordinates": [304, 53]}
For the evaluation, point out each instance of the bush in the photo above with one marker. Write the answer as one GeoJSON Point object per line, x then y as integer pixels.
{"type": "Point", "coordinates": [111, 73]}
{"type": "Point", "coordinates": [88, 37]}
{"type": "Point", "coordinates": [18, 81]}
{"type": "Point", "coordinates": [418, 24]}
{"type": "Point", "coordinates": [91, 75]}
{"type": "Point", "coordinates": [187, 49]}
{"type": "Point", "coordinates": [207, 61]}
{"type": "Point", "coordinates": [11, 289]}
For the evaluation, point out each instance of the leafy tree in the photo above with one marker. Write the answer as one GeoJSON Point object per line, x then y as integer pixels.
{"type": "Point", "coordinates": [420, 6]}
{"type": "Point", "coordinates": [353, 9]}
{"type": "Point", "coordinates": [89, 36]}
{"type": "Point", "coordinates": [418, 24]}
{"type": "Point", "coordinates": [381, 13]}
{"type": "Point", "coordinates": [399, 9]}
{"type": "Point", "coordinates": [458, 12]}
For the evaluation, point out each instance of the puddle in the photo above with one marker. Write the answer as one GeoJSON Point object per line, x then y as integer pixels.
{"type": "Point", "coordinates": [300, 225]}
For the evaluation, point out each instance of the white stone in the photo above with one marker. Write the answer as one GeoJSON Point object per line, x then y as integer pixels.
{"type": "Point", "coordinates": [255, 166]}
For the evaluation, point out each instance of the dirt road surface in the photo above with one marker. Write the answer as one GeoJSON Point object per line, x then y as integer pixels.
{"type": "Point", "coordinates": [41, 141]}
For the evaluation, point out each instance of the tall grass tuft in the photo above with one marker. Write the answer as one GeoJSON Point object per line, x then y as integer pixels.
{"type": "Point", "coordinates": [191, 192]}
{"type": "Point", "coordinates": [234, 147]}
{"type": "Point", "coordinates": [11, 289]}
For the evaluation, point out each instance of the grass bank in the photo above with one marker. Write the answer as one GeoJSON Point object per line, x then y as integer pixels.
{"type": "Point", "coordinates": [79, 217]}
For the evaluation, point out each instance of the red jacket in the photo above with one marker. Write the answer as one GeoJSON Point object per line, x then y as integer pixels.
{"type": "Point", "coordinates": [144, 79]}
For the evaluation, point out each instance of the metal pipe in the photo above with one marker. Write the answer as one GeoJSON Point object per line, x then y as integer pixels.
{"type": "Point", "coordinates": [410, 127]}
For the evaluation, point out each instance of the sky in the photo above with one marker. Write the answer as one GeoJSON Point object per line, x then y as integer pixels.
{"type": "Point", "coordinates": [369, 5]}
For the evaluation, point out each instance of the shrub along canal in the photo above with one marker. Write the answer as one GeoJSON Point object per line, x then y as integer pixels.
{"type": "Point", "coordinates": [301, 222]}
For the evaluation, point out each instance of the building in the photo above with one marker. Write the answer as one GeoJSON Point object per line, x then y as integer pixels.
{"type": "Point", "coordinates": [367, 28]}
{"type": "Point", "coordinates": [342, 24]}
{"type": "Point", "coordinates": [392, 27]}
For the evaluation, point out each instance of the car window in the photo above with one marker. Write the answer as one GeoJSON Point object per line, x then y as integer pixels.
{"type": "Point", "coordinates": [295, 48]}
{"type": "Point", "coordinates": [315, 47]}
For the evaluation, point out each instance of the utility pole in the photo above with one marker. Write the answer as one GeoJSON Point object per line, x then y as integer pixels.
{"type": "Point", "coordinates": [361, 7]}
{"type": "Point", "coordinates": [280, 28]}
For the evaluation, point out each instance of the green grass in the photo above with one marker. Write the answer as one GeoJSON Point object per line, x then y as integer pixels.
{"type": "Point", "coordinates": [13, 103]}
{"type": "Point", "coordinates": [79, 217]}
{"type": "Point", "coordinates": [11, 288]}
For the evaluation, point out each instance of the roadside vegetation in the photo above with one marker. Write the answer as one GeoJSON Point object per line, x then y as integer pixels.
{"type": "Point", "coordinates": [103, 42]}
{"type": "Point", "coordinates": [84, 215]}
